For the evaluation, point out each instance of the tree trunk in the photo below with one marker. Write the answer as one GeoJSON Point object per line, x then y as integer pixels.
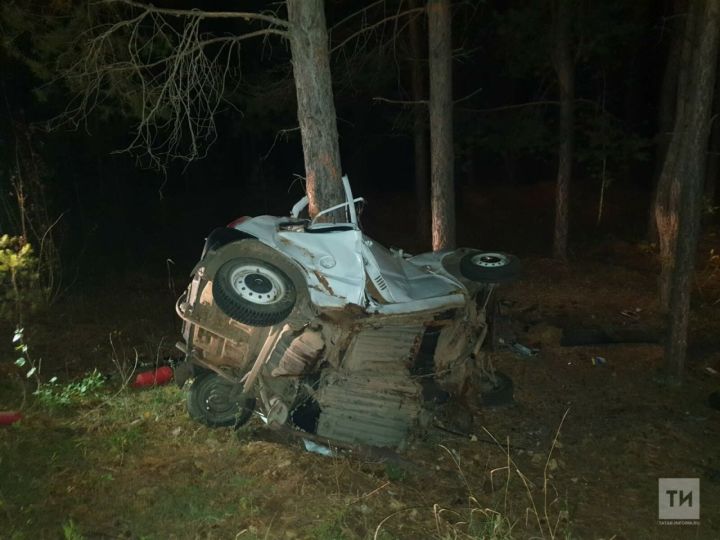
{"type": "Point", "coordinates": [686, 171]}
{"type": "Point", "coordinates": [441, 124]}
{"type": "Point", "coordinates": [666, 106]}
{"type": "Point", "coordinates": [420, 140]}
{"type": "Point", "coordinates": [713, 168]}
{"type": "Point", "coordinates": [667, 194]}
{"type": "Point", "coordinates": [564, 68]}
{"type": "Point", "coordinates": [316, 107]}
{"type": "Point", "coordinates": [713, 159]}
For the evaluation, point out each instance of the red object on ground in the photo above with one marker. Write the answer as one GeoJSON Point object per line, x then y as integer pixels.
{"type": "Point", "coordinates": [9, 417]}
{"type": "Point", "coordinates": [157, 377]}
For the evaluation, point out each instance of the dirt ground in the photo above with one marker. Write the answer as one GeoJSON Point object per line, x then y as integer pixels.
{"type": "Point", "coordinates": [578, 455]}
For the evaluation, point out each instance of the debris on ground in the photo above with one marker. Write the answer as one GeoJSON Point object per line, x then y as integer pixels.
{"type": "Point", "coordinates": [10, 417]}
{"type": "Point", "coordinates": [631, 314]}
{"type": "Point", "coordinates": [519, 348]}
{"type": "Point", "coordinates": [316, 448]}
{"type": "Point", "coordinates": [156, 377]}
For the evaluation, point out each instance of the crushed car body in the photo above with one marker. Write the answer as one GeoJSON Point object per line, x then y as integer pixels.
{"type": "Point", "coordinates": [316, 327]}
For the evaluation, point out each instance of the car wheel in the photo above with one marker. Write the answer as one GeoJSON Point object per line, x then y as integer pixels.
{"type": "Point", "coordinates": [254, 291]}
{"type": "Point", "coordinates": [489, 267]}
{"type": "Point", "coordinates": [496, 390]}
{"type": "Point", "coordinates": [210, 402]}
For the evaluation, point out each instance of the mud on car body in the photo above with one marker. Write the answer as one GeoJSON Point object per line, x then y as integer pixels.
{"type": "Point", "coordinates": [316, 327]}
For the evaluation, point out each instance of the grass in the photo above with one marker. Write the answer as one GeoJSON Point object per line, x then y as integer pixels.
{"type": "Point", "coordinates": [332, 527]}
{"type": "Point", "coordinates": [494, 517]}
{"type": "Point", "coordinates": [71, 532]}
{"type": "Point", "coordinates": [131, 463]}
{"type": "Point", "coordinates": [55, 465]}
{"type": "Point", "coordinates": [123, 439]}
{"type": "Point", "coordinates": [28, 466]}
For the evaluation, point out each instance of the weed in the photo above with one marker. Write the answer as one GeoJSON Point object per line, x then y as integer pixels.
{"type": "Point", "coordinates": [476, 523]}
{"type": "Point", "coordinates": [179, 505]}
{"type": "Point", "coordinates": [478, 520]}
{"type": "Point", "coordinates": [486, 523]}
{"type": "Point", "coordinates": [30, 462]}
{"type": "Point", "coordinates": [71, 531]}
{"type": "Point", "coordinates": [55, 394]}
{"type": "Point", "coordinates": [18, 276]}
{"type": "Point", "coordinates": [120, 361]}
{"type": "Point", "coordinates": [330, 528]}
{"type": "Point", "coordinates": [124, 439]}
{"type": "Point", "coordinates": [25, 362]}
{"type": "Point", "coordinates": [395, 473]}
{"type": "Point", "coordinates": [52, 394]}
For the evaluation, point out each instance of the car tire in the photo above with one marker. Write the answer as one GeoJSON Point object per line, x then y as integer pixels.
{"type": "Point", "coordinates": [254, 291]}
{"type": "Point", "coordinates": [496, 391]}
{"type": "Point", "coordinates": [489, 267]}
{"type": "Point", "coordinates": [209, 402]}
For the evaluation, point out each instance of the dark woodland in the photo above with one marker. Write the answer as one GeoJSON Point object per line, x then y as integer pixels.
{"type": "Point", "coordinates": [573, 142]}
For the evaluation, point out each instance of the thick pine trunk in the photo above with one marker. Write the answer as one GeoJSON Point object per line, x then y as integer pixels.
{"type": "Point", "coordinates": [565, 70]}
{"type": "Point", "coordinates": [316, 107]}
{"type": "Point", "coordinates": [441, 124]}
{"type": "Point", "coordinates": [713, 159]}
{"type": "Point", "coordinates": [420, 136]}
{"type": "Point", "coordinates": [666, 106]}
{"type": "Point", "coordinates": [667, 194]}
{"type": "Point", "coordinates": [686, 171]}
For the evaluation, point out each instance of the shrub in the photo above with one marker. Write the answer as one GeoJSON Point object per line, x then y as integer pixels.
{"type": "Point", "coordinates": [20, 288]}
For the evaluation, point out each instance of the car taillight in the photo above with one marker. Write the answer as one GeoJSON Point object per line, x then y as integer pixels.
{"type": "Point", "coordinates": [237, 222]}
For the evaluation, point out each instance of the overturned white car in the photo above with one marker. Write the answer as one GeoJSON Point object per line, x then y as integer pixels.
{"type": "Point", "coordinates": [319, 328]}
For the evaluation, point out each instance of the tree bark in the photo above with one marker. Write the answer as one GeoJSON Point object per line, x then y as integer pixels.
{"type": "Point", "coordinates": [316, 107]}
{"type": "Point", "coordinates": [565, 70]}
{"type": "Point", "coordinates": [713, 167]}
{"type": "Point", "coordinates": [666, 106]}
{"type": "Point", "coordinates": [713, 158]}
{"type": "Point", "coordinates": [441, 124]}
{"type": "Point", "coordinates": [667, 194]}
{"type": "Point", "coordinates": [684, 172]}
{"type": "Point", "coordinates": [420, 137]}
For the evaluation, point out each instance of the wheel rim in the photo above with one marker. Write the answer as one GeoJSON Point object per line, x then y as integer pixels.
{"type": "Point", "coordinates": [216, 402]}
{"type": "Point", "coordinates": [489, 260]}
{"type": "Point", "coordinates": [257, 284]}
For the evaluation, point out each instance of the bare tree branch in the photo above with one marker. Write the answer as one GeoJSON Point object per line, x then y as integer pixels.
{"type": "Point", "coordinates": [362, 12]}
{"type": "Point", "coordinates": [509, 107]}
{"type": "Point", "coordinates": [201, 44]}
{"type": "Point", "coordinates": [282, 133]}
{"type": "Point", "coordinates": [201, 14]}
{"type": "Point", "coordinates": [401, 101]}
{"type": "Point", "coordinates": [471, 94]}
{"type": "Point", "coordinates": [466, 109]}
{"type": "Point", "coordinates": [371, 27]}
{"type": "Point", "coordinates": [526, 104]}
{"type": "Point", "coordinates": [169, 75]}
